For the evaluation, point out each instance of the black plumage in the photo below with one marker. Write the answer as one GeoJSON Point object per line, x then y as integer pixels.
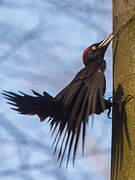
{"type": "Point", "coordinates": [70, 109]}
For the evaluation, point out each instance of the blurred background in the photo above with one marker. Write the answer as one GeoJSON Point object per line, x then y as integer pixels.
{"type": "Point", "coordinates": [41, 47]}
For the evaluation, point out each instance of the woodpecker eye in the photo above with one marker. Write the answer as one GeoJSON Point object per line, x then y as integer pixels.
{"type": "Point", "coordinates": [94, 48]}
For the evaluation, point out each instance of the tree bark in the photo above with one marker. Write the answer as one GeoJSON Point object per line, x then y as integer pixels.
{"type": "Point", "coordinates": [123, 121]}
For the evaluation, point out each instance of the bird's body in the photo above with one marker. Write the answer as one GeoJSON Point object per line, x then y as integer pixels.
{"type": "Point", "coordinates": [70, 109]}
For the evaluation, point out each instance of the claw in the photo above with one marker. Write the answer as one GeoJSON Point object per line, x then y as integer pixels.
{"type": "Point", "coordinates": [125, 99]}
{"type": "Point", "coordinates": [108, 114]}
{"type": "Point", "coordinates": [109, 109]}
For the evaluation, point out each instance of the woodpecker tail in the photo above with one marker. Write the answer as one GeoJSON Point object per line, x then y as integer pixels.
{"type": "Point", "coordinates": [42, 105]}
{"type": "Point", "coordinates": [68, 112]}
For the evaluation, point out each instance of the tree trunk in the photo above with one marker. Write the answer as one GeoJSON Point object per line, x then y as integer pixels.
{"type": "Point", "coordinates": [123, 121]}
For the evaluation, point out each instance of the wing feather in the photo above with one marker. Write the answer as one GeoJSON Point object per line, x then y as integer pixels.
{"type": "Point", "coordinates": [80, 98]}
{"type": "Point", "coordinates": [69, 110]}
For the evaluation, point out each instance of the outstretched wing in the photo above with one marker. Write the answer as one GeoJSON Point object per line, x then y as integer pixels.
{"type": "Point", "coordinates": [82, 97]}
{"type": "Point", "coordinates": [70, 109]}
{"type": "Point", "coordinates": [42, 105]}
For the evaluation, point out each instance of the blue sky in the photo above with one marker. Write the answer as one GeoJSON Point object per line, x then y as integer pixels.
{"type": "Point", "coordinates": [41, 47]}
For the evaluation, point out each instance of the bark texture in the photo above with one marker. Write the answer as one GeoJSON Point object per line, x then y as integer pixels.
{"type": "Point", "coordinates": [123, 122]}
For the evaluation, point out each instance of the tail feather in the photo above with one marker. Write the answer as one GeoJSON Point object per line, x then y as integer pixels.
{"type": "Point", "coordinates": [80, 101]}
{"type": "Point", "coordinates": [68, 112]}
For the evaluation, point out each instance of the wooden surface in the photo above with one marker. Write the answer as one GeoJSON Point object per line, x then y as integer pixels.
{"type": "Point", "coordinates": [123, 130]}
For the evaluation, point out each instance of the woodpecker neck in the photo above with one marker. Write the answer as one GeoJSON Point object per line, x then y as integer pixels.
{"type": "Point", "coordinates": [87, 61]}
{"type": "Point", "coordinates": [102, 66]}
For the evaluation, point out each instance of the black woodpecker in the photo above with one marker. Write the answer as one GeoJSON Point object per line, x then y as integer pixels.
{"type": "Point", "coordinates": [69, 110]}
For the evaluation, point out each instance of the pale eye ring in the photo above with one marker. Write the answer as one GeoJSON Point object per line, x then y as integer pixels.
{"type": "Point", "coordinates": [94, 48]}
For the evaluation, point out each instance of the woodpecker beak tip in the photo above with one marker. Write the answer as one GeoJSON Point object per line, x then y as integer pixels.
{"type": "Point", "coordinates": [107, 40]}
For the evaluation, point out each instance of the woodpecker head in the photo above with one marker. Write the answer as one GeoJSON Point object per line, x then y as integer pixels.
{"type": "Point", "coordinates": [96, 52]}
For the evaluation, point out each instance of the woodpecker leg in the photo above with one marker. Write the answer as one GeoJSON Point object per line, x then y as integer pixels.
{"type": "Point", "coordinates": [123, 101]}
{"type": "Point", "coordinates": [108, 114]}
{"type": "Point", "coordinates": [109, 107]}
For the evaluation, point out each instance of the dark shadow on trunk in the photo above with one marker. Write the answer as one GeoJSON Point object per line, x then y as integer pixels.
{"type": "Point", "coordinates": [119, 129]}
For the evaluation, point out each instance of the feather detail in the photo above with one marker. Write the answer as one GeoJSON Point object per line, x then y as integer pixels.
{"type": "Point", "coordinates": [69, 110]}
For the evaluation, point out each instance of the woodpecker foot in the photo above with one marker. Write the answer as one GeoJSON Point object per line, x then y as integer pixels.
{"type": "Point", "coordinates": [109, 109]}
{"type": "Point", "coordinates": [124, 99]}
